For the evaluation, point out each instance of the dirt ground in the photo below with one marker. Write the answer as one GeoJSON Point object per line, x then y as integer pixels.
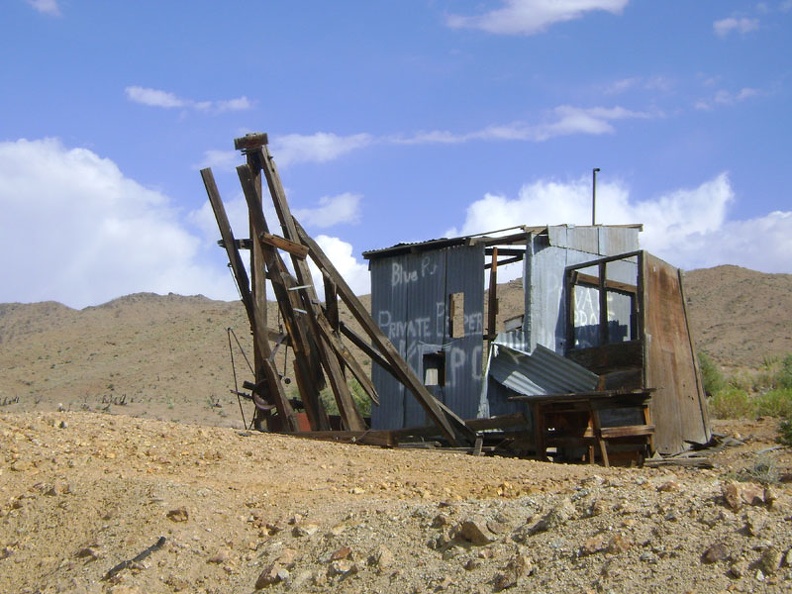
{"type": "Point", "coordinates": [93, 502]}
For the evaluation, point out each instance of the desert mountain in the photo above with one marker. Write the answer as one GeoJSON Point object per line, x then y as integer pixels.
{"type": "Point", "coordinates": [170, 357]}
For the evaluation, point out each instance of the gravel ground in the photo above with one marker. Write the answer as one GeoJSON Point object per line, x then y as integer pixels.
{"type": "Point", "coordinates": [99, 503]}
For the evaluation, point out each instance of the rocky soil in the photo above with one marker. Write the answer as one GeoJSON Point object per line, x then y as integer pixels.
{"type": "Point", "coordinates": [84, 495]}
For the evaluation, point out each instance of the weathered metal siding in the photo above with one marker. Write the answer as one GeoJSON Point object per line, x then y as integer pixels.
{"type": "Point", "coordinates": [540, 373]}
{"type": "Point", "coordinates": [410, 302]}
{"type": "Point", "coordinates": [546, 258]}
{"type": "Point", "coordinates": [388, 306]}
{"type": "Point", "coordinates": [678, 405]}
{"type": "Point", "coordinates": [465, 356]}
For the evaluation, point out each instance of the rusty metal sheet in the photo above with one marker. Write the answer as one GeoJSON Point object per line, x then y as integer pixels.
{"type": "Point", "coordinates": [678, 405]}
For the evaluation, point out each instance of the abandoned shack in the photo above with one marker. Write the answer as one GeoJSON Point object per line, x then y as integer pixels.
{"type": "Point", "coordinates": [603, 344]}
{"type": "Point", "coordinates": [600, 364]}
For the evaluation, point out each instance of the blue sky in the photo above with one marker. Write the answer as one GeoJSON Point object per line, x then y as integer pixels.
{"type": "Point", "coordinates": [389, 122]}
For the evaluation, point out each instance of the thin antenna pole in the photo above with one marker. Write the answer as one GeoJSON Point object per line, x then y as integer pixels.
{"type": "Point", "coordinates": [594, 195]}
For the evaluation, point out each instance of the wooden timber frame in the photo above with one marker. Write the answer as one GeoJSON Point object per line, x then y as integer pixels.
{"type": "Point", "coordinates": [312, 329]}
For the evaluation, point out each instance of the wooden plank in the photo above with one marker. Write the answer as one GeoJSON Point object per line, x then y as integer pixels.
{"type": "Point", "coordinates": [274, 386]}
{"type": "Point", "coordinates": [287, 302]}
{"type": "Point", "coordinates": [360, 374]}
{"type": "Point", "coordinates": [492, 308]}
{"type": "Point", "coordinates": [295, 249]}
{"type": "Point", "coordinates": [369, 350]}
{"type": "Point", "coordinates": [229, 243]}
{"type": "Point", "coordinates": [331, 303]}
{"type": "Point", "coordinates": [627, 431]}
{"type": "Point", "coordinates": [590, 280]}
{"type": "Point", "coordinates": [250, 141]}
{"type": "Point", "coordinates": [378, 438]}
{"type": "Point", "coordinates": [353, 421]}
{"type": "Point", "coordinates": [452, 427]}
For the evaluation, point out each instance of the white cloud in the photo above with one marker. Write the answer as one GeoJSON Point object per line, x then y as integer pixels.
{"type": "Point", "coordinates": [729, 25]}
{"type": "Point", "coordinates": [49, 7]}
{"type": "Point", "coordinates": [687, 227]}
{"type": "Point", "coordinates": [563, 120]}
{"type": "Point", "coordinates": [332, 210]}
{"type": "Point", "coordinates": [319, 147]}
{"type": "Point", "coordinates": [653, 83]}
{"type": "Point", "coordinates": [222, 160]}
{"type": "Point", "coordinates": [168, 100]}
{"type": "Point", "coordinates": [76, 230]}
{"type": "Point", "coordinates": [528, 17]}
{"type": "Point", "coordinates": [723, 97]}
{"type": "Point", "coordinates": [339, 252]}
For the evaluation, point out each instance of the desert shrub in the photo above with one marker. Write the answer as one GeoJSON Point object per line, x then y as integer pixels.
{"type": "Point", "coordinates": [359, 396]}
{"type": "Point", "coordinates": [732, 403]}
{"type": "Point", "coordinates": [764, 470]}
{"type": "Point", "coordinates": [785, 431]}
{"type": "Point", "coordinates": [784, 375]}
{"type": "Point", "coordinates": [775, 403]}
{"type": "Point", "coordinates": [711, 375]}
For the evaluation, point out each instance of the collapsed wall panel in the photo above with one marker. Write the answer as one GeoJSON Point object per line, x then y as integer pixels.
{"type": "Point", "coordinates": [678, 406]}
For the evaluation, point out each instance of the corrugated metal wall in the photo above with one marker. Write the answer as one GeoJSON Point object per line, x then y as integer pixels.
{"type": "Point", "coordinates": [410, 296]}
{"type": "Point", "coordinates": [545, 261]}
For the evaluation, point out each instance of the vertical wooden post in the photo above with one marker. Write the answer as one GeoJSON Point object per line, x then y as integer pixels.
{"type": "Point", "coordinates": [268, 374]}
{"type": "Point", "coordinates": [257, 270]}
{"type": "Point", "coordinates": [350, 415]}
{"type": "Point", "coordinates": [492, 309]}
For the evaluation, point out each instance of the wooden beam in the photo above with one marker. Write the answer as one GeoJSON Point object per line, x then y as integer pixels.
{"type": "Point", "coordinates": [342, 351]}
{"type": "Point", "coordinates": [309, 383]}
{"type": "Point", "coordinates": [367, 349]}
{"type": "Point", "coordinates": [229, 243]}
{"type": "Point", "coordinates": [295, 249]}
{"type": "Point", "coordinates": [274, 386]}
{"type": "Point", "coordinates": [492, 309]}
{"type": "Point", "coordinates": [350, 415]}
{"type": "Point", "coordinates": [452, 427]}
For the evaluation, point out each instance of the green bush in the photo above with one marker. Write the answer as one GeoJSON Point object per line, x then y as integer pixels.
{"type": "Point", "coordinates": [732, 403]}
{"type": "Point", "coordinates": [711, 376]}
{"type": "Point", "coordinates": [775, 403]}
{"type": "Point", "coordinates": [785, 431]}
{"type": "Point", "coordinates": [784, 376]}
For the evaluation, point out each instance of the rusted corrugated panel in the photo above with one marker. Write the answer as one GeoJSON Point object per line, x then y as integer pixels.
{"type": "Point", "coordinates": [678, 405]}
{"type": "Point", "coordinates": [541, 373]}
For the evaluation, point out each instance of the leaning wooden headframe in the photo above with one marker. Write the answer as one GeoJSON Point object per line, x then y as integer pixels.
{"type": "Point", "coordinates": [314, 331]}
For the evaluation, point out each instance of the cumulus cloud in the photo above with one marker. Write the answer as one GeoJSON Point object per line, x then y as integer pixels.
{"type": "Point", "coordinates": [48, 7]}
{"type": "Point", "coordinates": [76, 230]}
{"type": "Point", "coordinates": [339, 252]}
{"type": "Point", "coordinates": [687, 227]}
{"type": "Point", "coordinates": [332, 210]}
{"type": "Point", "coordinates": [167, 100]}
{"type": "Point", "coordinates": [729, 25]}
{"type": "Point", "coordinates": [529, 17]}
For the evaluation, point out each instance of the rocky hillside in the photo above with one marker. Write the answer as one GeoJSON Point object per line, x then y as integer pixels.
{"type": "Point", "coordinates": [168, 357]}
